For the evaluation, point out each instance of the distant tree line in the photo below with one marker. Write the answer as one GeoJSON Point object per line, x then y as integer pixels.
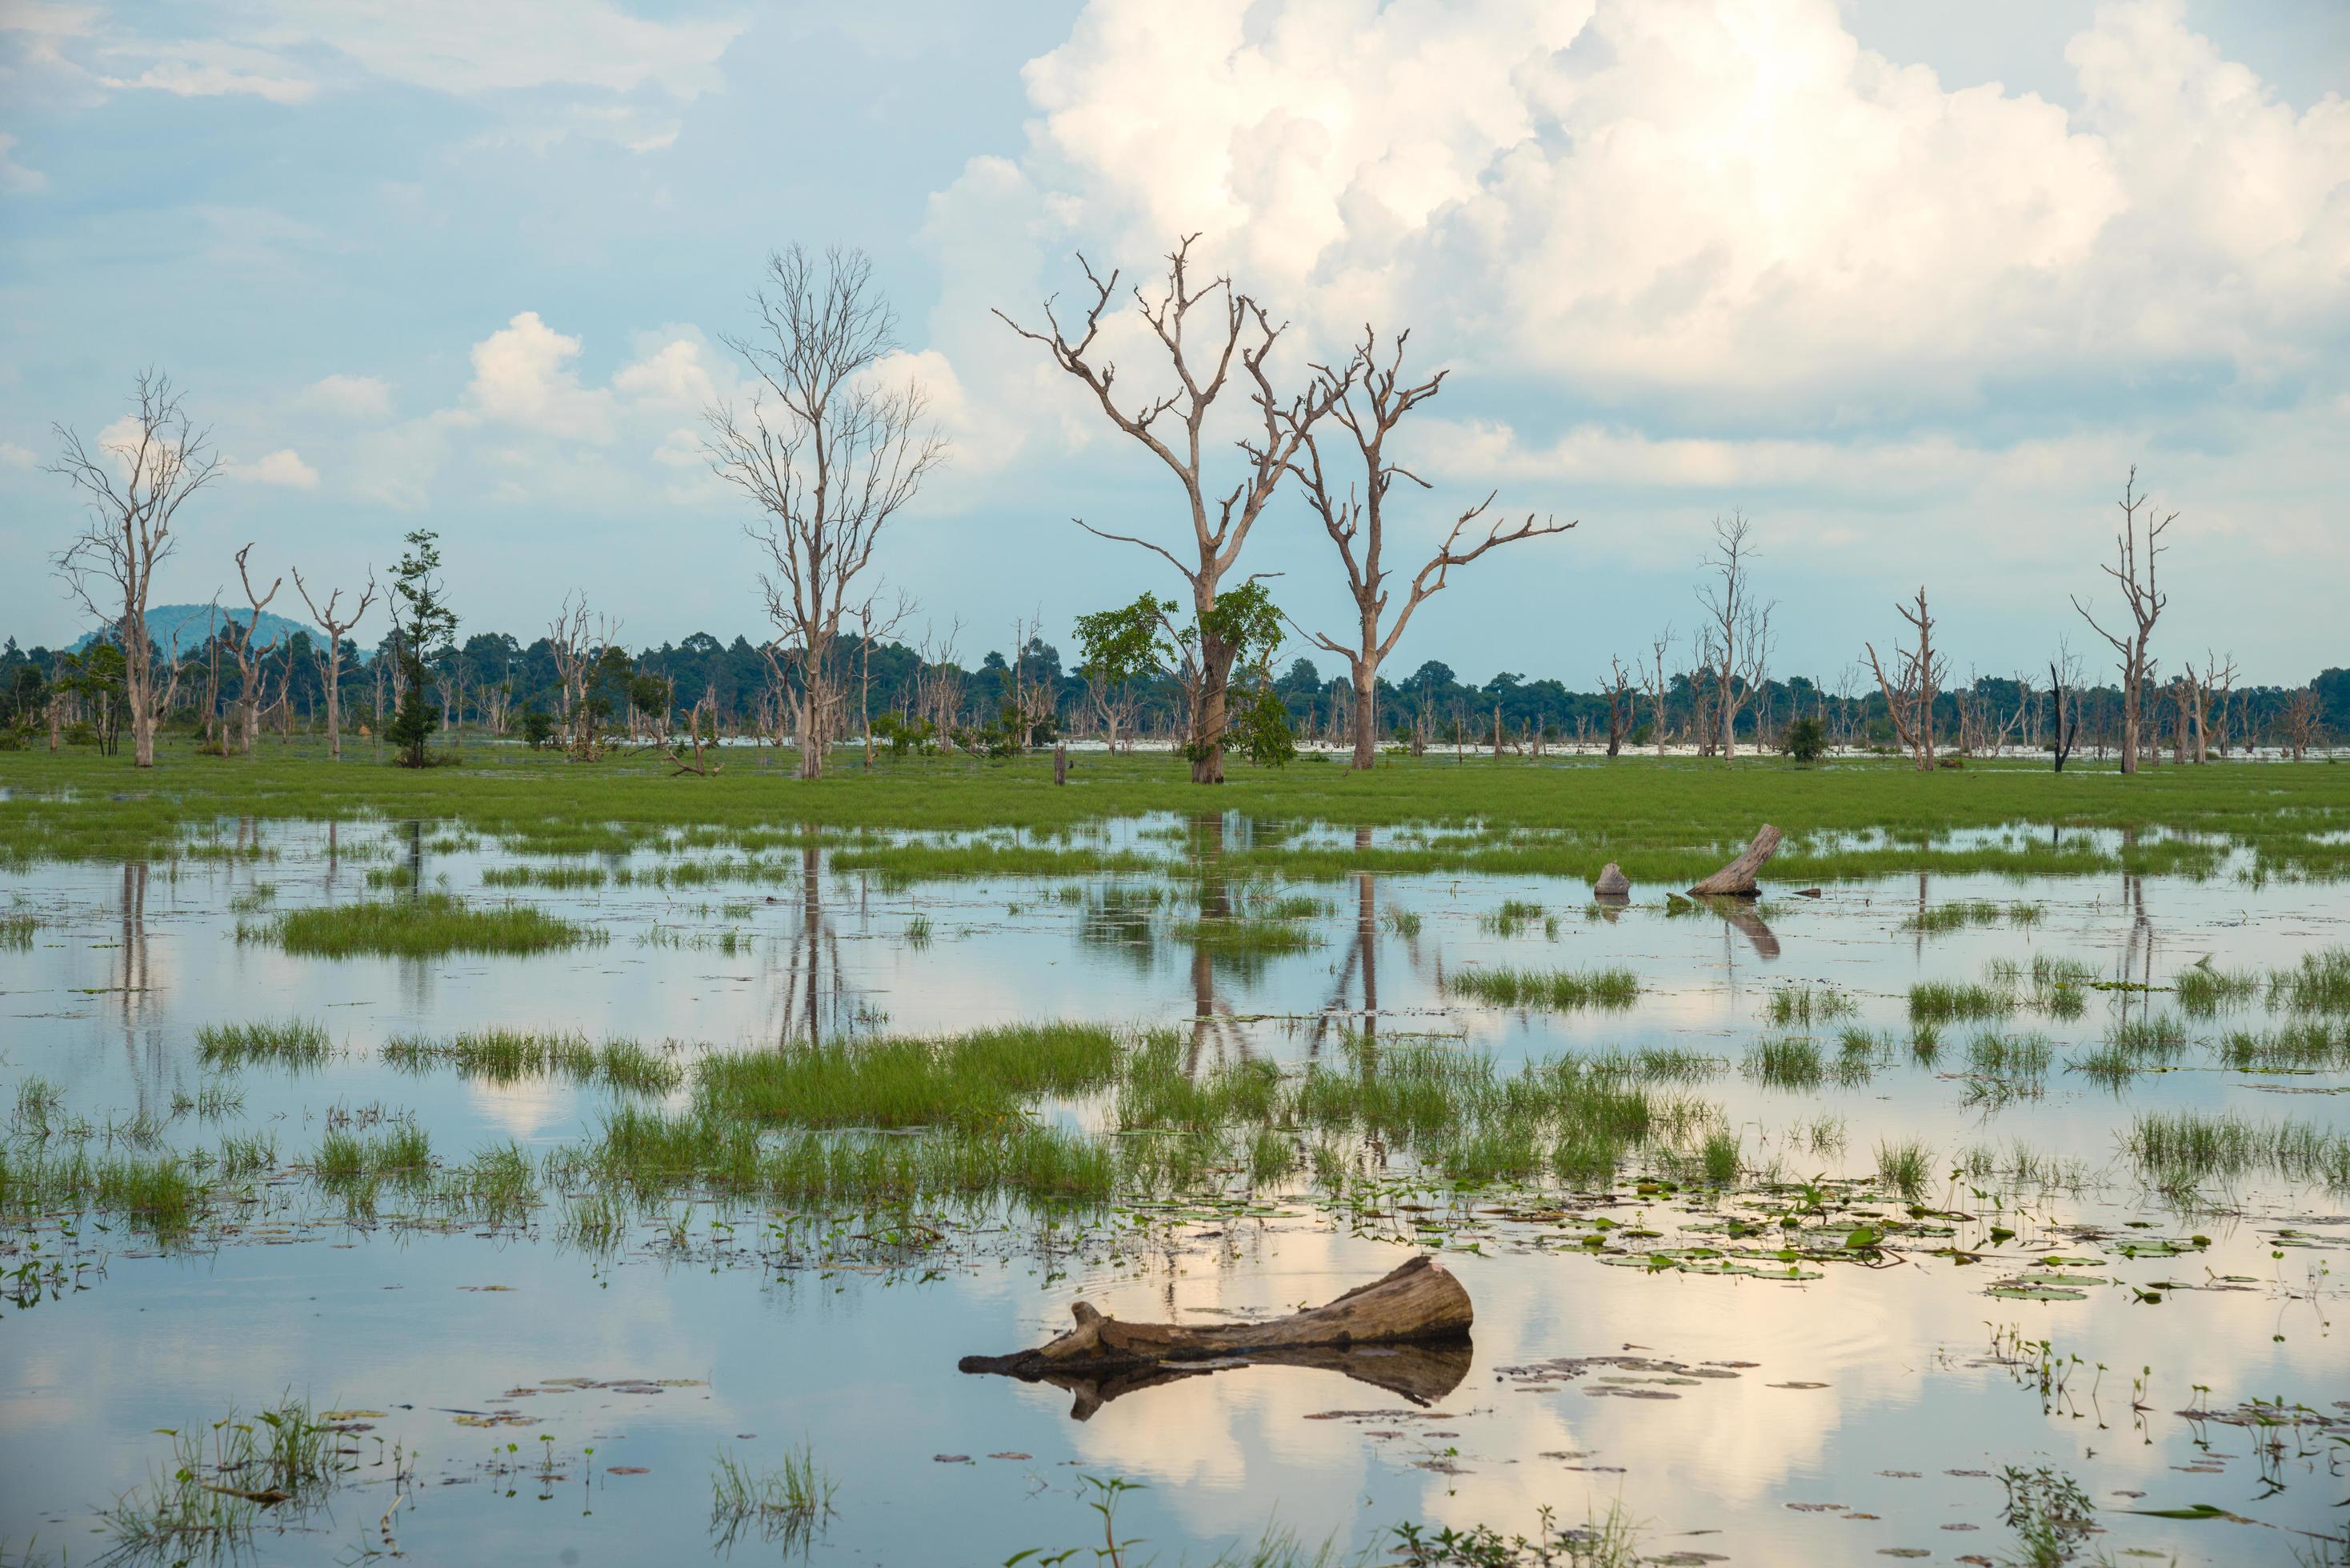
{"type": "Point", "coordinates": [494, 683]}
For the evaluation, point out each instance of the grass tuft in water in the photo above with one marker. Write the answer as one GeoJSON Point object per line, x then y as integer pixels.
{"type": "Point", "coordinates": [291, 1043]}
{"type": "Point", "coordinates": [1557, 990]}
{"type": "Point", "coordinates": [430, 926]}
{"type": "Point", "coordinates": [1904, 1167]}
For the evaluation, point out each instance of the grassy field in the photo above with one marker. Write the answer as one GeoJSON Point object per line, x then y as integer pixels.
{"type": "Point", "coordinates": [1562, 815]}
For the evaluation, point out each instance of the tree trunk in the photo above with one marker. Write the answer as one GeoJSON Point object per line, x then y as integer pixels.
{"type": "Point", "coordinates": [1737, 879]}
{"type": "Point", "coordinates": [1421, 1300]}
{"type": "Point", "coordinates": [335, 706]}
{"type": "Point", "coordinates": [1366, 700]}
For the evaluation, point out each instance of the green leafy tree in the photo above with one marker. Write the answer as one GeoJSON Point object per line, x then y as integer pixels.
{"type": "Point", "coordinates": [1805, 740]}
{"type": "Point", "coordinates": [425, 625]}
{"type": "Point", "coordinates": [537, 727]}
{"type": "Point", "coordinates": [1119, 647]}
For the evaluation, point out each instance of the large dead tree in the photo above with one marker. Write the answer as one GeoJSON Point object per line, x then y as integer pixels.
{"type": "Point", "coordinates": [828, 453]}
{"type": "Point", "coordinates": [1170, 425]}
{"type": "Point", "coordinates": [1737, 637]}
{"type": "Point", "coordinates": [132, 487]}
{"type": "Point", "coordinates": [1910, 698]}
{"type": "Point", "coordinates": [1652, 674]}
{"type": "Point", "coordinates": [1369, 398]}
{"type": "Point", "coordinates": [2136, 545]}
{"type": "Point", "coordinates": [577, 643]}
{"type": "Point", "coordinates": [331, 661]}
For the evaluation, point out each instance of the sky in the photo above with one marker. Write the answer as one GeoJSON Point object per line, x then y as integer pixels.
{"type": "Point", "coordinates": [1911, 285]}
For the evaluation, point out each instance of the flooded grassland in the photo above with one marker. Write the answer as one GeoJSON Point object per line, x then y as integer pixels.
{"type": "Point", "coordinates": [401, 1186]}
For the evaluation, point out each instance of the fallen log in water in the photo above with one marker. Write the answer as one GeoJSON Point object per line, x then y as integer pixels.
{"type": "Point", "coordinates": [1736, 880]}
{"type": "Point", "coordinates": [1420, 1301]}
{"type": "Point", "coordinates": [1423, 1372]}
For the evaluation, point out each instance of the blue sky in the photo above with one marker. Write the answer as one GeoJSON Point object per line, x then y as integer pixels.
{"type": "Point", "coordinates": [1912, 285]}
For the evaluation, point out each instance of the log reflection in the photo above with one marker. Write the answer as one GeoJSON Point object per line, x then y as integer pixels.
{"type": "Point", "coordinates": [1422, 1374]}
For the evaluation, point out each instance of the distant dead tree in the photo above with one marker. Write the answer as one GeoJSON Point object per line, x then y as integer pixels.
{"type": "Point", "coordinates": [875, 622]}
{"type": "Point", "coordinates": [1620, 705]}
{"type": "Point", "coordinates": [1369, 398]}
{"type": "Point", "coordinates": [1653, 675]}
{"type": "Point", "coordinates": [1170, 425]}
{"type": "Point", "coordinates": [330, 662]}
{"type": "Point", "coordinates": [829, 455]}
{"type": "Point", "coordinates": [939, 681]}
{"type": "Point", "coordinates": [2218, 679]}
{"type": "Point", "coordinates": [1910, 694]}
{"type": "Point", "coordinates": [1737, 638]}
{"type": "Point", "coordinates": [2064, 670]}
{"type": "Point", "coordinates": [577, 643]}
{"type": "Point", "coordinates": [2136, 547]}
{"type": "Point", "coordinates": [244, 727]}
{"type": "Point", "coordinates": [2301, 722]}
{"type": "Point", "coordinates": [132, 487]}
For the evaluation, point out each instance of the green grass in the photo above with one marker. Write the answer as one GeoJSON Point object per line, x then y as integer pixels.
{"type": "Point", "coordinates": [1943, 1002]}
{"type": "Point", "coordinates": [781, 1506]}
{"type": "Point", "coordinates": [2320, 983]}
{"type": "Point", "coordinates": [1904, 1167]}
{"type": "Point", "coordinates": [2306, 1046]}
{"type": "Point", "coordinates": [983, 1078]}
{"type": "Point", "coordinates": [2203, 990]}
{"type": "Point", "coordinates": [291, 1043]}
{"type": "Point", "coordinates": [1795, 1001]}
{"type": "Point", "coordinates": [1791, 1063]}
{"type": "Point", "coordinates": [433, 925]}
{"type": "Point", "coordinates": [2181, 1151]}
{"type": "Point", "coordinates": [1557, 990]}
{"type": "Point", "coordinates": [17, 931]}
{"type": "Point", "coordinates": [1665, 820]}
{"type": "Point", "coordinates": [1243, 934]}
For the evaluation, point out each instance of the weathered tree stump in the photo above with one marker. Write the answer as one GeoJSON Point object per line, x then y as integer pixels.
{"type": "Point", "coordinates": [1736, 880]}
{"type": "Point", "coordinates": [1612, 883]}
{"type": "Point", "coordinates": [1419, 1301]}
{"type": "Point", "coordinates": [1060, 765]}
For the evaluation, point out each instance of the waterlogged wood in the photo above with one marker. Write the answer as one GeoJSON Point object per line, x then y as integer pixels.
{"type": "Point", "coordinates": [1422, 1371]}
{"type": "Point", "coordinates": [1612, 883]}
{"type": "Point", "coordinates": [1736, 880]}
{"type": "Point", "coordinates": [1419, 1301]}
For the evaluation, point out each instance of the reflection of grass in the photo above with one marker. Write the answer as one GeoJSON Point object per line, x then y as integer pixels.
{"type": "Point", "coordinates": [1796, 1002]}
{"type": "Point", "coordinates": [1557, 990]}
{"type": "Point", "coordinates": [206, 1501]}
{"type": "Point", "coordinates": [432, 926]}
{"type": "Point", "coordinates": [17, 931]}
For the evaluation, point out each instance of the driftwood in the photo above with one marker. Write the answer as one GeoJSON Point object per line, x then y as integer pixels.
{"type": "Point", "coordinates": [1612, 883]}
{"type": "Point", "coordinates": [1423, 1373]}
{"type": "Point", "coordinates": [1736, 880]}
{"type": "Point", "coordinates": [1420, 1302]}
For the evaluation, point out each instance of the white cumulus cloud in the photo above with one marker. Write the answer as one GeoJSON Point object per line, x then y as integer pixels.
{"type": "Point", "coordinates": [354, 397]}
{"type": "Point", "coordinates": [521, 377]}
{"type": "Point", "coordinates": [285, 466]}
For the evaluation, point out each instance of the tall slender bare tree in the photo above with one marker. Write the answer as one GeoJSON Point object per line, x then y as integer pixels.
{"type": "Point", "coordinates": [1737, 637]}
{"type": "Point", "coordinates": [829, 454]}
{"type": "Point", "coordinates": [1368, 399]}
{"type": "Point", "coordinates": [2136, 548]}
{"type": "Point", "coordinates": [133, 486]}
{"type": "Point", "coordinates": [245, 725]}
{"type": "Point", "coordinates": [1170, 425]}
{"type": "Point", "coordinates": [331, 661]}
{"type": "Point", "coordinates": [1910, 699]}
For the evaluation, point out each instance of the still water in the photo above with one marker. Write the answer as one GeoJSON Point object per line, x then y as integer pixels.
{"type": "Point", "coordinates": [521, 1400]}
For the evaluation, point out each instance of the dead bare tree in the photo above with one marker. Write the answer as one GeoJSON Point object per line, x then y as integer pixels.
{"type": "Point", "coordinates": [1653, 675]}
{"type": "Point", "coordinates": [330, 663]}
{"type": "Point", "coordinates": [2299, 722]}
{"type": "Point", "coordinates": [2218, 677]}
{"type": "Point", "coordinates": [874, 621]}
{"type": "Point", "coordinates": [2136, 547]}
{"type": "Point", "coordinates": [702, 766]}
{"type": "Point", "coordinates": [1221, 523]}
{"type": "Point", "coordinates": [1738, 633]}
{"type": "Point", "coordinates": [1620, 705]}
{"type": "Point", "coordinates": [828, 454]}
{"type": "Point", "coordinates": [132, 487]}
{"type": "Point", "coordinates": [1369, 399]}
{"type": "Point", "coordinates": [1910, 698]}
{"type": "Point", "coordinates": [576, 641]}
{"type": "Point", "coordinates": [244, 727]}
{"type": "Point", "coordinates": [939, 681]}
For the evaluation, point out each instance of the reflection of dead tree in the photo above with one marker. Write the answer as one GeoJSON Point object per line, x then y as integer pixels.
{"type": "Point", "coordinates": [1910, 699]}
{"type": "Point", "coordinates": [1361, 967]}
{"type": "Point", "coordinates": [815, 996]}
{"type": "Point", "coordinates": [2136, 551]}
